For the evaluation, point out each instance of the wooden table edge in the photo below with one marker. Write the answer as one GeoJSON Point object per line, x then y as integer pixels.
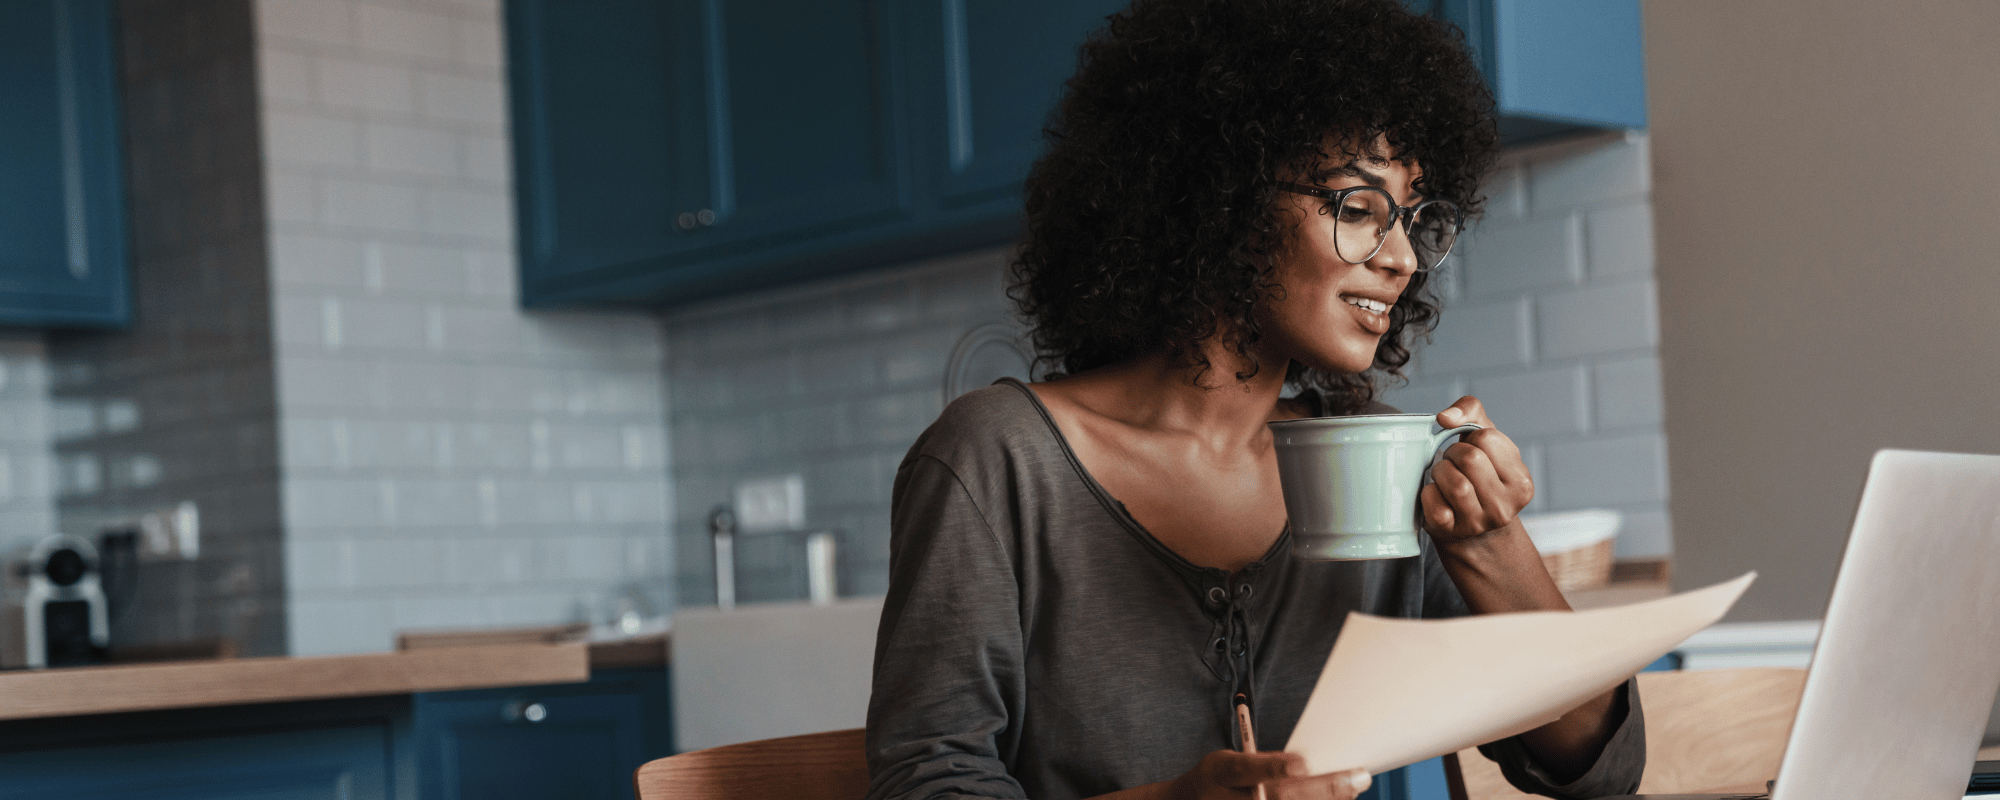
{"type": "Point", "coordinates": [150, 687]}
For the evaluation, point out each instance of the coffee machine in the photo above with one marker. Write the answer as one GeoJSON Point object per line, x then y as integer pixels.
{"type": "Point", "coordinates": [52, 606]}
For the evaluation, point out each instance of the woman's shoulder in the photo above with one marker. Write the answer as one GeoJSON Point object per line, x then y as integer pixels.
{"type": "Point", "coordinates": [985, 424]}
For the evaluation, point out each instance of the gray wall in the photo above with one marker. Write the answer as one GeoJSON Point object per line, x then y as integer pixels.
{"type": "Point", "coordinates": [449, 460]}
{"type": "Point", "coordinates": [831, 381]}
{"type": "Point", "coordinates": [1824, 184]}
{"type": "Point", "coordinates": [180, 405]}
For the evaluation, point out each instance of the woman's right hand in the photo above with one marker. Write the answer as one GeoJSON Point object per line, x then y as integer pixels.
{"type": "Point", "coordinates": [1230, 775]}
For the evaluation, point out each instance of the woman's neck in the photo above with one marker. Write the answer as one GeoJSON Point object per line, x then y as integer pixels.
{"type": "Point", "coordinates": [1157, 392]}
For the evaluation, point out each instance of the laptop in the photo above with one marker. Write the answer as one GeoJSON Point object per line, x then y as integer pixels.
{"type": "Point", "coordinates": [1908, 657]}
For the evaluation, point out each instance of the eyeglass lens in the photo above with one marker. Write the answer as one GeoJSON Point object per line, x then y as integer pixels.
{"type": "Point", "coordinates": [1362, 223]}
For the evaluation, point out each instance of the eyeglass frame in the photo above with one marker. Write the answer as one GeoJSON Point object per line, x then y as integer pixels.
{"type": "Point", "coordinates": [1407, 214]}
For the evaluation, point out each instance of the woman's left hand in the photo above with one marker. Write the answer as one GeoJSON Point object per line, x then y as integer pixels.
{"type": "Point", "coordinates": [1480, 485]}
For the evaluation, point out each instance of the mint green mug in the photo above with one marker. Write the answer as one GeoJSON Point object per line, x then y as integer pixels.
{"type": "Point", "coordinates": [1351, 483]}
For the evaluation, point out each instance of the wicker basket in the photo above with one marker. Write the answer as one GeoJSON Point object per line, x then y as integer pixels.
{"type": "Point", "coordinates": [1586, 567]}
{"type": "Point", "coordinates": [1576, 546]}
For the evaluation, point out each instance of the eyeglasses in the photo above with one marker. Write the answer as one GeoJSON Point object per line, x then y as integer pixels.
{"type": "Point", "coordinates": [1362, 216]}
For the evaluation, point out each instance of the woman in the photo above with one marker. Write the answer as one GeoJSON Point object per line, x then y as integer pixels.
{"type": "Point", "coordinates": [1232, 225]}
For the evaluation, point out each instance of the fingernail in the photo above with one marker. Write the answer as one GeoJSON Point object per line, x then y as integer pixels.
{"type": "Point", "coordinates": [1359, 780]}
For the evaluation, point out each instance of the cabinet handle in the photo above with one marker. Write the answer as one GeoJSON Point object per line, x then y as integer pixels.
{"type": "Point", "coordinates": [524, 711]}
{"type": "Point", "coordinates": [690, 220]}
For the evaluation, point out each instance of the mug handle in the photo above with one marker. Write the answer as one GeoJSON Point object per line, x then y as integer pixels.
{"type": "Point", "coordinates": [1443, 438]}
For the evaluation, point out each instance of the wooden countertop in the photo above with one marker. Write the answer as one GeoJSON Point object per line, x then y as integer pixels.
{"type": "Point", "coordinates": [235, 681]}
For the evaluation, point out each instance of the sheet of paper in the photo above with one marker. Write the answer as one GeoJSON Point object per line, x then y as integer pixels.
{"type": "Point", "coordinates": [1398, 691]}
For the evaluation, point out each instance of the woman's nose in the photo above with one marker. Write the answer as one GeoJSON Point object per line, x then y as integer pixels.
{"type": "Point", "coordinates": [1396, 254]}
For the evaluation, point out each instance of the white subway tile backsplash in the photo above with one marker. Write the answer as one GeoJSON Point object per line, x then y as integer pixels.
{"type": "Point", "coordinates": [1607, 471]}
{"type": "Point", "coordinates": [330, 623]}
{"type": "Point", "coordinates": [320, 261]}
{"type": "Point", "coordinates": [1598, 319]}
{"type": "Point", "coordinates": [452, 98]}
{"type": "Point", "coordinates": [1477, 336]}
{"type": "Point", "coordinates": [383, 325]}
{"type": "Point", "coordinates": [315, 139]}
{"type": "Point", "coordinates": [405, 32]}
{"type": "Point", "coordinates": [308, 381]}
{"type": "Point", "coordinates": [370, 204]}
{"type": "Point", "coordinates": [476, 43]}
{"type": "Point", "coordinates": [1627, 393]}
{"type": "Point", "coordinates": [1424, 397]}
{"type": "Point", "coordinates": [331, 503]}
{"type": "Point", "coordinates": [1535, 403]}
{"type": "Point", "coordinates": [396, 148]}
{"type": "Point", "coordinates": [290, 196]}
{"type": "Point", "coordinates": [439, 610]}
{"type": "Point", "coordinates": [305, 20]}
{"type": "Point", "coordinates": [485, 159]}
{"type": "Point", "coordinates": [364, 85]}
{"type": "Point", "coordinates": [426, 385]}
{"type": "Point", "coordinates": [474, 213]}
{"type": "Point", "coordinates": [1621, 240]}
{"type": "Point", "coordinates": [284, 75]}
{"type": "Point", "coordinates": [1503, 258]}
{"type": "Point", "coordinates": [1645, 534]}
{"type": "Point", "coordinates": [1589, 171]}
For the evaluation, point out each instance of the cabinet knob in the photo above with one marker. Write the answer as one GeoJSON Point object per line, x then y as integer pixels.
{"type": "Point", "coordinates": [524, 711]}
{"type": "Point", "coordinates": [690, 220]}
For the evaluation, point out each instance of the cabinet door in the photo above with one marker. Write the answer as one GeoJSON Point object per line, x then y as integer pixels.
{"type": "Point", "coordinates": [990, 71]}
{"type": "Point", "coordinates": [574, 741]}
{"type": "Point", "coordinates": [335, 763]}
{"type": "Point", "coordinates": [1557, 67]}
{"type": "Point", "coordinates": [609, 144]}
{"type": "Point", "coordinates": [803, 112]}
{"type": "Point", "coordinates": [62, 225]}
{"type": "Point", "coordinates": [656, 137]}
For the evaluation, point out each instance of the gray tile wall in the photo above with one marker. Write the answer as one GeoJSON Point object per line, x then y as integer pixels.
{"type": "Point", "coordinates": [180, 406]}
{"type": "Point", "coordinates": [449, 460]}
{"type": "Point", "coordinates": [832, 382]}
{"type": "Point", "coordinates": [27, 460]}
{"type": "Point", "coordinates": [1551, 321]}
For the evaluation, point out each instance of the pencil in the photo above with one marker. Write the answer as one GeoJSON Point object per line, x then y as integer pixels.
{"type": "Point", "coordinates": [1247, 733]}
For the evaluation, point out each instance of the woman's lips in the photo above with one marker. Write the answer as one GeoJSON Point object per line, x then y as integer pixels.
{"type": "Point", "coordinates": [1369, 321]}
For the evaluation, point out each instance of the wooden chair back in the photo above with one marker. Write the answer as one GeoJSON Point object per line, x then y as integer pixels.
{"type": "Point", "coordinates": [1718, 730]}
{"type": "Point", "coordinates": [815, 766]}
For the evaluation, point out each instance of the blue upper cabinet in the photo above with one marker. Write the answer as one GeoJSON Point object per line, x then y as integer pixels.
{"type": "Point", "coordinates": [1557, 67]}
{"type": "Point", "coordinates": [671, 151]}
{"type": "Point", "coordinates": [993, 69]}
{"type": "Point", "coordinates": [62, 214]}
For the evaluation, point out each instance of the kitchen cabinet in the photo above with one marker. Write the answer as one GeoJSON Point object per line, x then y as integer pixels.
{"type": "Point", "coordinates": [323, 749]}
{"type": "Point", "coordinates": [576, 740]}
{"type": "Point", "coordinates": [671, 151]}
{"type": "Point", "coordinates": [62, 213]}
{"type": "Point", "coordinates": [355, 732]}
{"type": "Point", "coordinates": [668, 151]}
{"type": "Point", "coordinates": [1557, 67]}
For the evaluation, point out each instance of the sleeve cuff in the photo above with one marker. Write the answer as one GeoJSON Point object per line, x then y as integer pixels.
{"type": "Point", "coordinates": [1616, 771]}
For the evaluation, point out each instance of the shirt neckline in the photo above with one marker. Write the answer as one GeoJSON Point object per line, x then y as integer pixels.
{"type": "Point", "coordinates": [1124, 516]}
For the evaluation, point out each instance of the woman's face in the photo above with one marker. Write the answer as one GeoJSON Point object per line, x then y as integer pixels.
{"type": "Point", "coordinates": [1326, 313]}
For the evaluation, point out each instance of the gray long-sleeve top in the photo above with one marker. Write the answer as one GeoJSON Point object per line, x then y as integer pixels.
{"type": "Point", "coordinates": [1037, 642]}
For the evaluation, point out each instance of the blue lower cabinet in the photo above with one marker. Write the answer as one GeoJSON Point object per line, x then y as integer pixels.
{"type": "Point", "coordinates": [573, 741]}
{"type": "Point", "coordinates": [325, 750]}
{"type": "Point", "coordinates": [342, 763]}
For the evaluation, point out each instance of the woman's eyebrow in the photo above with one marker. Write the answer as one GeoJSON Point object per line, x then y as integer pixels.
{"type": "Point", "coordinates": [1349, 170]}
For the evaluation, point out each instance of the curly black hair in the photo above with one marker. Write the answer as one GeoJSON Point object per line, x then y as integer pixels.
{"type": "Point", "coordinates": [1151, 216]}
